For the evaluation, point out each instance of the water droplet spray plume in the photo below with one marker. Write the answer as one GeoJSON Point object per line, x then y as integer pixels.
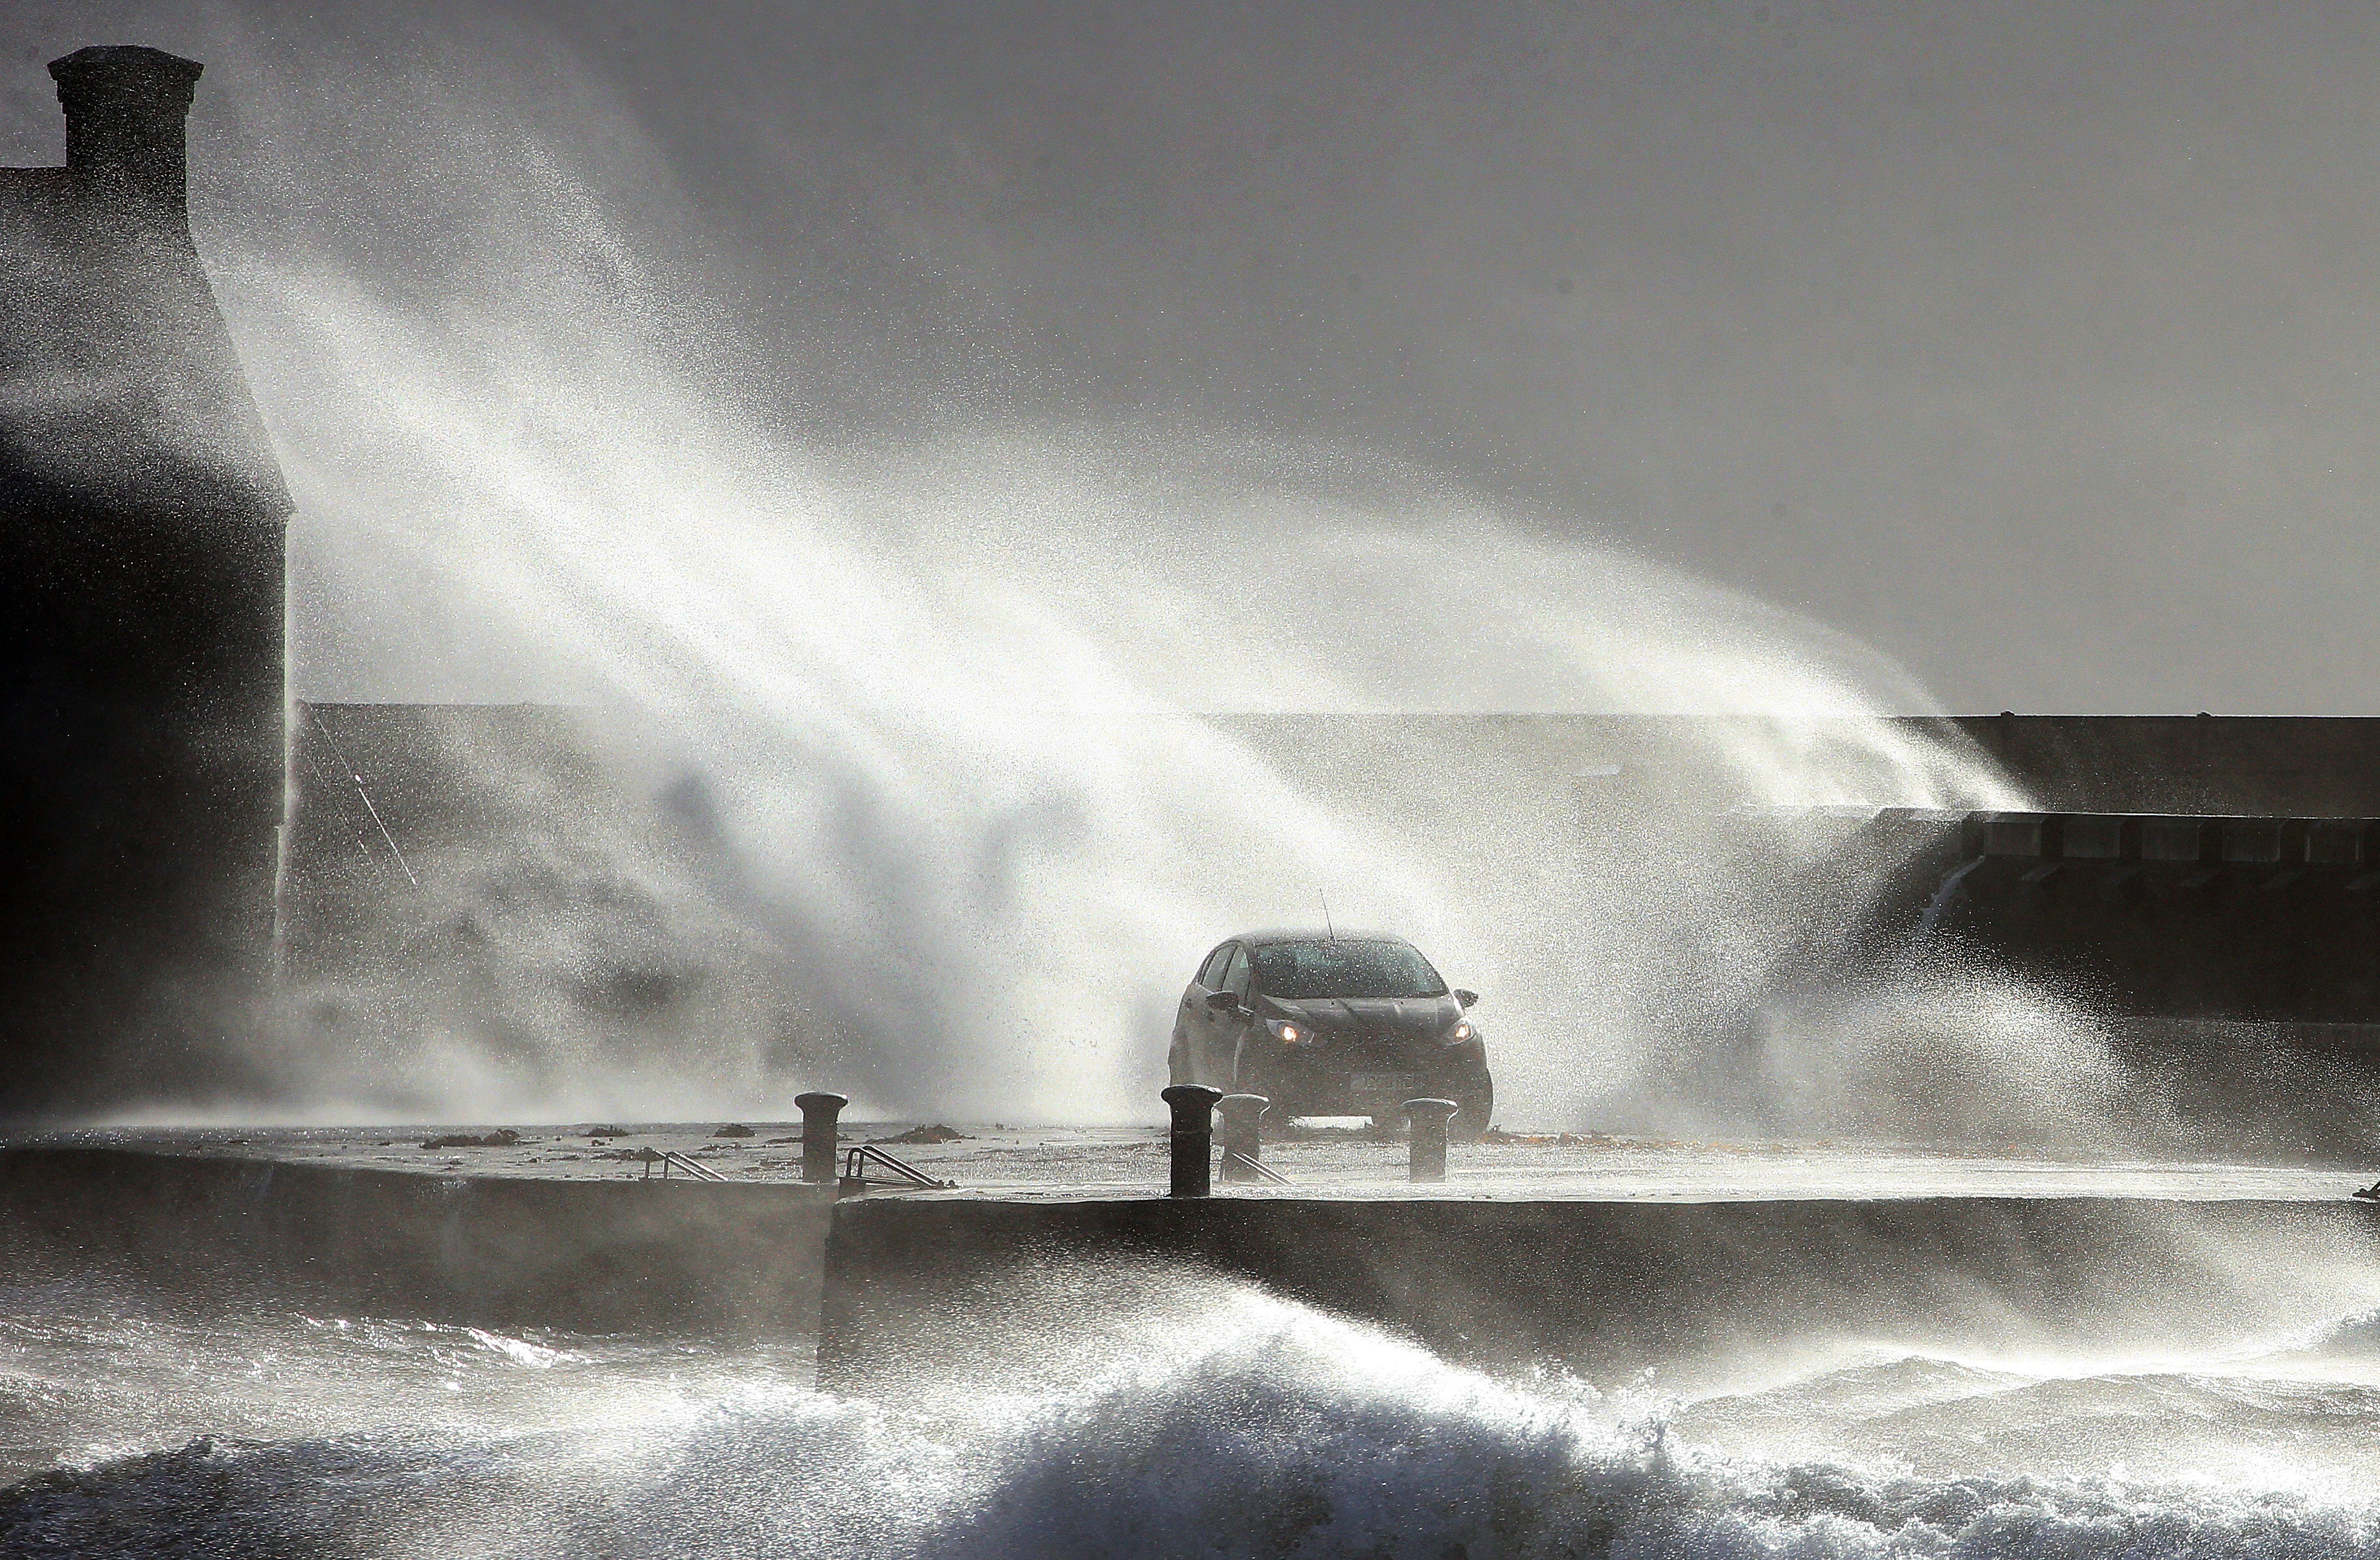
{"type": "Point", "coordinates": [924, 722]}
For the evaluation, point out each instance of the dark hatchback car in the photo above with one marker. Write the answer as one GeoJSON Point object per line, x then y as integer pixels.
{"type": "Point", "coordinates": [1332, 1025]}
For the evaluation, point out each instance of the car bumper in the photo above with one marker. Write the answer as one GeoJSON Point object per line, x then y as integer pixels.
{"type": "Point", "coordinates": [1319, 1084]}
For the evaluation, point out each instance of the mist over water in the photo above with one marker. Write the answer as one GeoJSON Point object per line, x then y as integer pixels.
{"type": "Point", "coordinates": [1206, 1419]}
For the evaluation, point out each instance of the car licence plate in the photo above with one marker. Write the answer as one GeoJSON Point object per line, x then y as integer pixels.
{"type": "Point", "coordinates": [1393, 1088]}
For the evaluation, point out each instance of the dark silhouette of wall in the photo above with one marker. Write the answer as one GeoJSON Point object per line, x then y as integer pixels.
{"type": "Point", "coordinates": [2253, 920]}
{"type": "Point", "coordinates": [1607, 1287]}
{"type": "Point", "coordinates": [142, 522]}
{"type": "Point", "coordinates": [2220, 765]}
{"type": "Point", "coordinates": [2287, 766]}
{"type": "Point", "coordinates": [488, 1251]}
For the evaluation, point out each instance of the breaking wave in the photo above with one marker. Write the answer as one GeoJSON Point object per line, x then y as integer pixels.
{"type": "Point", "coordinates": [1272, 1429]}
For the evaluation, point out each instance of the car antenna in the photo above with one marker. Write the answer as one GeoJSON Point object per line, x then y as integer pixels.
{"type": "Point", "coordinates": [1329, 930]}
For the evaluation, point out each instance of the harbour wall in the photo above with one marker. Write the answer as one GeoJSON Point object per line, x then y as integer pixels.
{"type": "Point", "coordinates": [952, 1291]}
{"type": "Point", "coordinates": [1604, 1288]}
{"type": "Point", "coordinates": [592, 1256]}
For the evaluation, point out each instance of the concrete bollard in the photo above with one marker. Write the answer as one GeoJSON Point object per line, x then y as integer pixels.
{"type": "Point", "coordinates": [1429, 1147]}
{"type": "Point", "coordinates": [1240, 1138]}
{"type": "Point", "coordinates": [1194, 1137]}
{"type": "Point", "coordinates": [818, 1113]}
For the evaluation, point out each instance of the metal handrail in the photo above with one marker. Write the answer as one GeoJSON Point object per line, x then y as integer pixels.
{"type": "Point", "coordinates": [856, 1160]}
{"type": "Point", "coordinates": [1233, 1157]}
{"type": "Point", "coordinates": [667, 1157]}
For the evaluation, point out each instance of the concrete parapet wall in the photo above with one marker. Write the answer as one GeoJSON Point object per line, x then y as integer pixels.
{"type": "Point", "coordinates": [2305, 841]}
{"type": "Point", "coordinates": [1604, 1288]}
{"type": "Point", "coordinates": [965, 1291]}
{"type": "Point", "coordinates": [585, 1254]}
{"type": "Point", "coordinates": [2237, 920]}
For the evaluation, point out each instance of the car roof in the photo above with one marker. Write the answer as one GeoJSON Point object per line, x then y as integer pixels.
{"type": "Point", "coordinates": [1315, 934]}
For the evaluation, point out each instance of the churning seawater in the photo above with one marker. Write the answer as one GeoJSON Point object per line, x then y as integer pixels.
{"type": "Point", "coordinates": [1259, 1428]}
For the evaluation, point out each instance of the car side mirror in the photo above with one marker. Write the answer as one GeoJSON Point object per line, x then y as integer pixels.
{"type": "Point", "coordinates": [1464, 999]}
{"type": "Point", "coordinates": [1223, 1001]}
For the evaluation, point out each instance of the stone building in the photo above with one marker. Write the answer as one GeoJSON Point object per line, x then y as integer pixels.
{"type": "Point", "coordinates": [141, 604]}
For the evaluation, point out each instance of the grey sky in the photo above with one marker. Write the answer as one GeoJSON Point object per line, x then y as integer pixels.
{"type": "Point", "coordinates": [2026, 341]}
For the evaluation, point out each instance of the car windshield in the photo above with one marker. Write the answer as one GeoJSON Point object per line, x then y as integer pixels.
{"type": "Point", "coordinates": [1298, 970]}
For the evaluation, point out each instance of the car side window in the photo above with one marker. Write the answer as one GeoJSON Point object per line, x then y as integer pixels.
{"type": "Point", "coordinates": [1211, 973]}
{"type": "Point", "coordinates": [1235, 979]}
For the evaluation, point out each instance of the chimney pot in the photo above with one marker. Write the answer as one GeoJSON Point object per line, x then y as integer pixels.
{"type": "Point", "coordinates": [126, 110]}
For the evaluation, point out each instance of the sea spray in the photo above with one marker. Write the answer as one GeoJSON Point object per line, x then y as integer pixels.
{"type": "Point", "coordinates": [1238, 1423]}
{"type": "Point", "coordinates": [930, 729]}
{"type": "Point", "coordinates": [930, 813]}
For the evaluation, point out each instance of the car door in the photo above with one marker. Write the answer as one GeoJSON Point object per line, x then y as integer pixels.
{"type": "Point", "coordinates": [1197, 1021]}
{"type": "Point", "coordinates": [1224, 1030]}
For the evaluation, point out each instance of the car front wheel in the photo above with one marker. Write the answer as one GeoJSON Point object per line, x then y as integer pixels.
{"type": "Point", "coordinates": [1475, 1101]}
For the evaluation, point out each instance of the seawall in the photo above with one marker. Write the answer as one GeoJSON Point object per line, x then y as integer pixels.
{"type": "Point", "coordinates": [953, 1289]}
{"type": "Point", "coordinates": [596, 1255]}
{"type": "Point", "coordinates": [1603, 1287]}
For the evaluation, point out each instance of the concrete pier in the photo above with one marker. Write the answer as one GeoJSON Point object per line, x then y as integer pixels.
{"type": "Point", "coordinates": [1603, 1287]}
{"type": "Point", "coordinates": [511, 1252]}
{"type": "Point", "coordinates": [1605, 1257]}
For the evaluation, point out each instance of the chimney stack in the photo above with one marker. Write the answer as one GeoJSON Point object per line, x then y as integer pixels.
{"type": "Point", "coordinates": [126, 109]}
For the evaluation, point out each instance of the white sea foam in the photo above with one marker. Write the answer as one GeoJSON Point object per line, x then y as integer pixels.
{"type": "Point", "coordinates": [1262, 1428]}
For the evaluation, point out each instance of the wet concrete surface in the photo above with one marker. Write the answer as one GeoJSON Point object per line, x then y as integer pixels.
{"type": "Point", "coordinates": [1067, 1162]}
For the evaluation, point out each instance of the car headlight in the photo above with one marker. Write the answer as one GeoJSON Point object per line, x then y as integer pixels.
{"type": "Point", "coordinates": [1290, 1033]}
{"type": "Point", "coordinates": [1460, 1033]}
